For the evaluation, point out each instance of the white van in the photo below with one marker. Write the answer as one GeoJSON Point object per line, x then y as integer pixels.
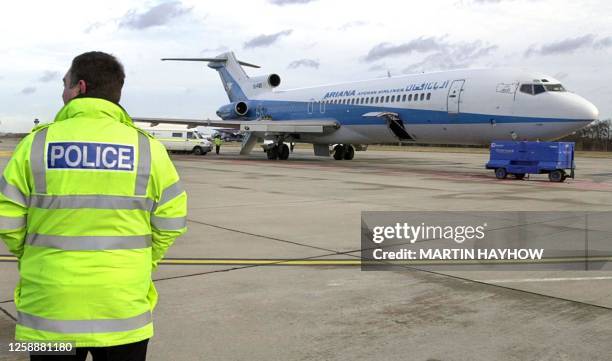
{"type": "Point", "coordinates": [181, 140]}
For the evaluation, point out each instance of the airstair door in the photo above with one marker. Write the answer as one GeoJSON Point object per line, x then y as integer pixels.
{"type": "Point", "coordinates": [454, 96]}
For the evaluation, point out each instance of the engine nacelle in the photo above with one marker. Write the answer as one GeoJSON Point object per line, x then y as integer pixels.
{"type": "Point", "coordinates": [234, 110]}
{"type": "Point", "coordinates": [266, 81]}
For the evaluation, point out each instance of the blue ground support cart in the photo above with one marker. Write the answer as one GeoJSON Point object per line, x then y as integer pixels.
{"type": "Point", "coordinates": [520, 158]}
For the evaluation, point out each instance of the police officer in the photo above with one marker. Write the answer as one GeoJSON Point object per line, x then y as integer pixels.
{"type": "Point", "coordinates": [218, 141]}
{"type": "Point", "coordinates": [89, 204]}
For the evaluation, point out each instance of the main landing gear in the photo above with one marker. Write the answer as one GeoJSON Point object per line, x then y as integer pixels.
{"type": "Point", "coordinates": [278, 151]}
{"type": "Point", "coordinates": [344, 151]}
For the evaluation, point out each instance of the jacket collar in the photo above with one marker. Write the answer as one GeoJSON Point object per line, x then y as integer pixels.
{"type": "Point", "coordinates": [94, 108]}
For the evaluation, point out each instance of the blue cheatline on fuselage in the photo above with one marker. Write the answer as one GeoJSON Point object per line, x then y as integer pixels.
{"type": "Point", "coordinates": [290, 110]}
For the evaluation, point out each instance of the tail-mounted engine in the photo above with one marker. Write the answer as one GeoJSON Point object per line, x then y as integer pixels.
{"type": "Point", "coordinates": [265, 82]}
{"type": "Point", "coordinates": [234, 110]}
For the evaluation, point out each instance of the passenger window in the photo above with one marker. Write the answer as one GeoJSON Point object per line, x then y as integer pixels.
{"type": "Point", "coordinates": [366, 100]}
{"type": "Point", "coordinates": [376, 100]}
{"type": "Point", "coordinates": [422, 96]}
{"type": "Point", "coordinates": [404, 97]}
{"type": "Point", "coordinates": [428, 96]}
{"type": "Point", "coordinates": [410, 97]}
{"type": "Point", "coordinates": [371, 100]}
{"type": "Point", "coordinates": [177, 135]}
{"type": "Point", "coordinates": [538, 88]}
{"type": "Point", "coordinates": [392, 98]}
{"type": "Point", "coordinates": [387, 99]}
{"type": "Point", "coordinates": [527, 89]}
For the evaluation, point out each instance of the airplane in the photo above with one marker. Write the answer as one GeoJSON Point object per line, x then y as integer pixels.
{"type": "Point", "coordinates": [470, 107]}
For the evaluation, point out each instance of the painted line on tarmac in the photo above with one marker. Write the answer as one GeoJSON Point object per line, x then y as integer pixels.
{"type": "Point", "coordinates": [555, 279]}
{"type": "Point", "coordinates": [263, 262]}
{"type": "Point", "coordinates": [356, 262]}
{"type": "Point", "coordinates": [231, 261]}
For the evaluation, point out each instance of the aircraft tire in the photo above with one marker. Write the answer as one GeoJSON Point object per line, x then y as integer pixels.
{"type": "Point", "coordinates": [339, 152]}
{"type": "Point", "coordinates": [283, 152]}
{"type": "Point", "coordinates": [349, 152]}
{"type": "Point", "coordinates": [272, 153]}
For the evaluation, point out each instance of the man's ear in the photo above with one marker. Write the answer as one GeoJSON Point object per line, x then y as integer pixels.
{"type": "Point", "coordinates": [82, 87]}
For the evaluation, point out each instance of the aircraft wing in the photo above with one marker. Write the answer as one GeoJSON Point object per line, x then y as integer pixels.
{"type": "Point", "coordinates": [264, 126]}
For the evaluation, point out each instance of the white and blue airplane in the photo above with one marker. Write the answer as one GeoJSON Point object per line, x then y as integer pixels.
{"type": "Point", "coordinates": [473, 106]}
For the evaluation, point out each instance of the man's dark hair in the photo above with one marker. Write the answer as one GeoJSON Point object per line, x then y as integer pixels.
{"type": "Point", "coordinates": [102, 73]}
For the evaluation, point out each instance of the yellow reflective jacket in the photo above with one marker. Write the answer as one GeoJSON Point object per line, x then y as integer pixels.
{"type": "Point", "coordinates": [89, 204]}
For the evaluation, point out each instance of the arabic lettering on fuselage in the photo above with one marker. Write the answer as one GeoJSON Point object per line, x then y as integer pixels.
{"type": "Point", "coordinates": [434, 85]}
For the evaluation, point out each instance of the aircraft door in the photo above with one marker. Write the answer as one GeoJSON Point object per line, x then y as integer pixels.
{"type": "Point", "coordinates": [310, 106]}
{"type": "Point", "coordinates": [321, 107]}
{"type": "Point", "coordinates": [454, 96]}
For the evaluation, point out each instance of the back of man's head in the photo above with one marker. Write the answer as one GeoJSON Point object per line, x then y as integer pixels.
{"type": "Point", "coordinates": [103, 75]}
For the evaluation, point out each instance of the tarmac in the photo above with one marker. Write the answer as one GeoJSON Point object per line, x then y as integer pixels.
{"type": "Point", "coordinates": [227, 291]}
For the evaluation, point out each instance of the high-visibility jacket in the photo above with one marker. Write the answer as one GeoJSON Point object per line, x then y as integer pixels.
{"type": "Point", "coordinates": [89, 204]}
{"type": "Point", "coordinates": [218, 141]}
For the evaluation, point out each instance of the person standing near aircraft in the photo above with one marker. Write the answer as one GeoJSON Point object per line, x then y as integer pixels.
{"type": "Point", "coordinates": [89, 205]}
{"type": "Point", "coordinates": [218, 141]}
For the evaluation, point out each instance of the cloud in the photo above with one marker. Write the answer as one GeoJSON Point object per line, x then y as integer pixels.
{"type": "Point", "coordinates": [452, 56]}
{"type": "Point", "coordinates": [352, 24]}
{"type": "Point", "coordinates": [419, 45]}
{"type": "Point", "coordinates": [94, 26]}
{"type": "Point", "coordinates": [215, 50]}
{"type": "Point", "coordinates": [158, 15]}
{"type": "Point", "coordinates": [309, 63]}
{"type": "Point", "coordinates": [266, 40]}
{"type": "Point", "coordinates": [28, 90]}
{"type": "Point", "coordinates": [603, 43]}
{"type": "Point", "coordinates": [377, 67]}
{"type": "Point", "coordinates": [290, 2]}
{"type": "Point", "coordinates": [567, 46]}
{"type": "Point", "coordinates": [560, 75]}
{"type": "Point", "coordinates": [441, 54]}
{"type": "Point", "coordinates": [49, 76]}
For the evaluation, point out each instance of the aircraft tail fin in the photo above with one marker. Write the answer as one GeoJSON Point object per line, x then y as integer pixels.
{"type": "Point", "coordinates": [236, 82]}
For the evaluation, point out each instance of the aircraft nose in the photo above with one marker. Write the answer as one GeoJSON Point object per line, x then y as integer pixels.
{"type": "Point", "coordinates": [587, 111]}
{"type": "Point", "coordinates": [590, 111]}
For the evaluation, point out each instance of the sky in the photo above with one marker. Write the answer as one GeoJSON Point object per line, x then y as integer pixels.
{"type": "Point", "coordinates": [306, 42]}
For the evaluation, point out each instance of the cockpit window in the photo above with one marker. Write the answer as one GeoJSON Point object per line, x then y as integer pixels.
{"type": "Point", "coordinates": [527, 88]}
{"type": "Point", "coordinates": [538, 88]}
{"type": "Point", "coordinates": [535, 89]}
{"type": "Point", "coordinates": [554, 87]}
